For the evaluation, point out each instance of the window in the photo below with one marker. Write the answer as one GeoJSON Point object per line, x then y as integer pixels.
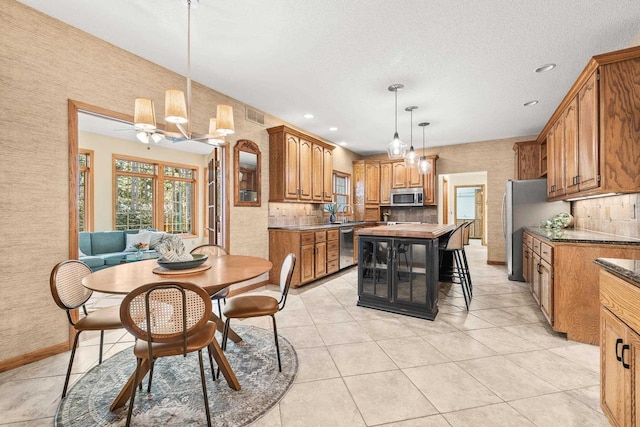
{"type": "Point", "coordinates": [85, 190]}
{"type": "Point", "coordinates": [341, 191]}
{"type": "Point", "coordinates": [154, 195]}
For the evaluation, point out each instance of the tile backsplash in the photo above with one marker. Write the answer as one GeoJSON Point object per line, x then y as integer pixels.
{"type": "Point", "coordinates": [426, 214]}
{"type": "Point", "coordinates": [612, 215]}
{"type": "Point", "coordinates": [294, 214]}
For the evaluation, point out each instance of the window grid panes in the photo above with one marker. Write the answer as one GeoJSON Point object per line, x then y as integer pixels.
{"type": "Point", "coordinates": [85, 187]}
{"type": "Point", "coordinates": [154, 195]}
{"type": "Point", "coordinates": [341, 189]}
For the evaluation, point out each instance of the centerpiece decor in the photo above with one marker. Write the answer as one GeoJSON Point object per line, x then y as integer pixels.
{"type": "Point", "coordinates": [332, 208]}
{"type": "Point", "coordinates": [139, 247]}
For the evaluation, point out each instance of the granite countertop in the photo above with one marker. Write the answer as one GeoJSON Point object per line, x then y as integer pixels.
{"type": "Point", "coordinates": [317, 226]}
{"type": "Point", "coordinates": [628, 269]}
{"type": "Point", "coordinates": [416, 231]}
{"type": "Point", "coordinates": [573, 235]}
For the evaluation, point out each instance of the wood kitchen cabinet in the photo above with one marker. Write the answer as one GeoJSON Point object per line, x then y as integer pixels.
{"type": "Point", "coordinates": [429, 183]}
{"type": "Point", "coordinates": [619, 350]}
{"type": "Point", "coordinates": [317, 252]}
{"type": "Point", "coordinates": [386, 174]}
{"type": "Point", "coordinates": [366, 190]}
{"type": "Point", "coordinates": [372, 183]}
{"type": "Point", "coordinates": [592, 137]}
{"type": "Point", "coordinates": [564, 281]}
{"type": "Point", "coordinates": [300, 167]}
{"type": "Point", "coordinates": [527, 159]}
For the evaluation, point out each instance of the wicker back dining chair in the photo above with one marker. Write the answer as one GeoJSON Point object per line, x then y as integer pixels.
{"type": "Point", "coordinates": [168, 319]}
{"type": "Point", "coordinates": [243, 307]}
{"type": "Point", "coordinates": [69, 294]}
{"type": "Point", "coordinates": [213, 251]}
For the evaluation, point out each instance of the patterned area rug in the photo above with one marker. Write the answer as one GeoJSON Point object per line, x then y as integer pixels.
{"type": "Point", "coordinates": [176, 394]}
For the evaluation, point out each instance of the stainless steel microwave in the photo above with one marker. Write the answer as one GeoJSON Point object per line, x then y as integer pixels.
{"type": "Point", "coordinates": [407, 197]}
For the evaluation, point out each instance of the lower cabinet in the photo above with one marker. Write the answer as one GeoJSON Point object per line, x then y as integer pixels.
{"type": "Point", "coordinates": [619, 350]}
{"type": "Point", "coordinates": [537, 269]}
{"type": "Point", "coordinates": [398, 275]}
{"type": "Point", "coordinates": [317, 253]}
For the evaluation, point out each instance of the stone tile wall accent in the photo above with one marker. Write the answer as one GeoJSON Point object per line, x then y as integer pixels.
{"type": "Point", "coordinates": [426, 214]}
{"type": "Point", "coordinates": [294, 214]}
{"type": "Point", "coordinates": [613, 215]}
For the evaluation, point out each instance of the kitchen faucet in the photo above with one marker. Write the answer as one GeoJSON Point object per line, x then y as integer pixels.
{"type": "Point", "coordinates": [344, 212]}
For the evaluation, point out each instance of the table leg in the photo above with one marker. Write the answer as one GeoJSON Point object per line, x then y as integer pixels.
{"type": "Point", "coordinates": [224, 366]}
{"type": "Point", "coordinates": [220, 326]}
{"type": "Point", "coordinates": [125, 393]}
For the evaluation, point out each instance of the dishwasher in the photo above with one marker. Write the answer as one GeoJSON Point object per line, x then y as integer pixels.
{"type": "Point", "coordinates": [346, 247]}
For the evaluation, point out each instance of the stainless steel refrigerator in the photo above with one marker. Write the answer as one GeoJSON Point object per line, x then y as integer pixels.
{"type": "Point", "coordinates": [524, 204]}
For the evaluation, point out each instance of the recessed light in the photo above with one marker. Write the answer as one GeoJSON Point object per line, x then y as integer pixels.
{"type": "Point", "coordinates": [545, 67]}
{"type": "Point", "coordinates": [308, 116]}
{"type": "Point", "coordinates": [333, 128]}
{"type": "Point", "coordinates": [342, 143]}
{"type": "Point", "coordinates": [530, 103]}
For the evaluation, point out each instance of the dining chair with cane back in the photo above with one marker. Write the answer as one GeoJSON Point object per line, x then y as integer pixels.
{"type": "Point", "coordinates": [214, 251]}
{"type": "Point", "coordinates": [168, 319]}
{"type": "Point", "coordinates": [69, 294]}
{"type": "Point", "coordinates": [243, 307]}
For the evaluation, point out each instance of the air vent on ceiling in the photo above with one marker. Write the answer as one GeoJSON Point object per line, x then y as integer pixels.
{"type": "Point", "coordinates": [255, 116]}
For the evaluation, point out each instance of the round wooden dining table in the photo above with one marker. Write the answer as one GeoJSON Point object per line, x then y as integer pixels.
{"type": "Point", "coordinates": [225, 271]}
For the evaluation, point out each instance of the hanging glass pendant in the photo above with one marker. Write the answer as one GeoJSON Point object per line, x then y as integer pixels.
{"type": "Point", "coordinates": [424, 164]}
{"type": "Point", "coordinates": [411, 157]}
{"type": "Point", "coordinates": [396, 148]}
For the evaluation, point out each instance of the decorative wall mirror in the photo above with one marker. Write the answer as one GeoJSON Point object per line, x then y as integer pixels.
{"type": "Point", "coordinates": [246, 168]}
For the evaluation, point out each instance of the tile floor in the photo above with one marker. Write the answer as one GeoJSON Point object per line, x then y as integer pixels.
{"type": "Point", "coordinates": [497, 365]}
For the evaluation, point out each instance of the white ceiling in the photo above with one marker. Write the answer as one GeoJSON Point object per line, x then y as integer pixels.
{"type": "Point", "coordinates": [469, 65]}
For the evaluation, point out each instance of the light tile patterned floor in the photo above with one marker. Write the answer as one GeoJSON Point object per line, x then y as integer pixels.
{"type": "Point", "coordinates": [500, 364]}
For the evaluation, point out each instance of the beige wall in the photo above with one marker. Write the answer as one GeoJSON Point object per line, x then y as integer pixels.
{"type": "Point", "coordinates": [497, 159]}
{"type": "Point", "coordinates": [44, 64]}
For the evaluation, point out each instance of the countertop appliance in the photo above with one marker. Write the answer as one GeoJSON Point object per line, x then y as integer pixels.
{"type": "Point", "coordinates": [407, 197]}
{"type": "Point", "coordinates": [524, 205]}
{"type": "Point", "coordinates": [346, 247]}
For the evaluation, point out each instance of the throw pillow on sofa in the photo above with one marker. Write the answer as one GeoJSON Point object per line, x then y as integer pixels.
{"type": "Point", "coordinates": [143, 237]}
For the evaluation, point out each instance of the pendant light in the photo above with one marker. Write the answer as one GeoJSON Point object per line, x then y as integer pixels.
{"type": "Point", "coordinates": [411, 158]}
{"type": "Point", "coordinates": [396, 148]}
{"type": "Point", "coordinates": [424, 165]}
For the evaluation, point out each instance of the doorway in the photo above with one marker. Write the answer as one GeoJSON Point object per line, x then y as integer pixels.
{"type": "Point", "coordinates": [469, 207]}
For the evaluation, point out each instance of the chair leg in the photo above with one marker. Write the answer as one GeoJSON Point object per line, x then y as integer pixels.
{"type": "Point", "coordinates": [466, 268]}
{"type": "Point", "coordinates": [275, 334]}
{"type": "Point", "coordinates": [204, 389]}
{"type": "Point", "coordinates": [153, 363]}
{"type": "Point", "coordinates": [213, 372]}
{"type": "Point", "coordinates": [73, 354]}
{"type": "Point", "coordinates": [133, 392]}
{"type": "Point", "coordinates": [461, 277]}
{"type": "Point", "coordinates": [219, 308]}
{"type": "Point", "coordinates": [101, 345]}
{"type": "Point", "coordinates": [225, 334]}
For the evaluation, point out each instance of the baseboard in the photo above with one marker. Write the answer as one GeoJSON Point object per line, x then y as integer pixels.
{"type": "Point", "coordinates": [34, 356]}
{"type": "Point", "coordinates": [247, 288]}
{"type": "Point", "coordinates": [495, 262]}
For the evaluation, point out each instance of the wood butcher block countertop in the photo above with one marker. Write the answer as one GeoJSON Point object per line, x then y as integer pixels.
{"type": "Point", "coordinates": [414, 231]}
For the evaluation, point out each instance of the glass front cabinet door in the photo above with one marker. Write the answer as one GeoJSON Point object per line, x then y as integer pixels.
{"type": "Point", "coordinates": [399, 275]}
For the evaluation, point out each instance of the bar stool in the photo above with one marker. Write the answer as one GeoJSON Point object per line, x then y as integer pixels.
{"type": "Point", "coordinates": [455, 245]}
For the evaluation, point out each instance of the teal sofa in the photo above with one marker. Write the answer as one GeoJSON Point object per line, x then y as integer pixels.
{"type": "Point", "coordinates": [103, 249]}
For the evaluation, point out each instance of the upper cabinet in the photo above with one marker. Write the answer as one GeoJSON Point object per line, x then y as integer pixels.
{"type": "Point", "coordinates": [300, 167]}
{"type": "Point", "coordinates": [592, 138]}
{"type": "Point", "coordinates": [527, 159]}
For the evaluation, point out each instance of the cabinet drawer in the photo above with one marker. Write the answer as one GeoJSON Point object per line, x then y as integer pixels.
{"type": "Point", "coordinates": [321, 236]}
{"type": "Point", "coordinates": [528, 240]}
{"type": "Point", "coordinates": [332, 245]}
{"type": "Point", "coordinates": [536, 246]}
{"type": "Point", "coordinates": [333, 234]}
{"type": "Point", "coordinates": [306, 238]}
{"type": "Point", "coordinates": [546, 252]}
{"type": "Point", "coordinates": [332, 255]}
{"type": "Point", "coordinates": [332, 266]}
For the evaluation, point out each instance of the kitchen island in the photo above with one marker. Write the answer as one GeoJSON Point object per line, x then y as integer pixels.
{"type": "Point", "coordinates": [398, 268]}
